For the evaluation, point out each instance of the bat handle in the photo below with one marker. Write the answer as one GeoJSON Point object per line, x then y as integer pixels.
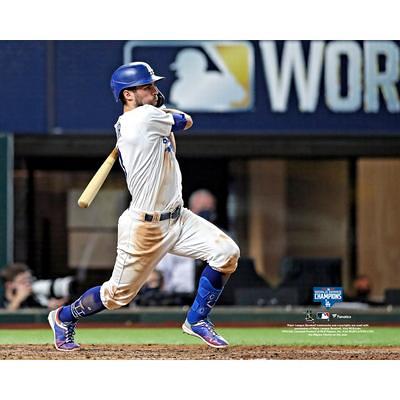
{"type": "Point", "coordinates": [115, 153]}
{"type": "Point", "coordinates": [97, 181]}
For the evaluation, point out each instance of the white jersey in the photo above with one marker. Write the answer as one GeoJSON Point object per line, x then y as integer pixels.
{"type": "Point", "coordinates": [152, 172]}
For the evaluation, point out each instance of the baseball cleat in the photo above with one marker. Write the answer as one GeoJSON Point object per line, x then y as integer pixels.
{"type": "Point", "coordinates": [63, 332]}
{"type": "Point", "coordinates": [204, 330]}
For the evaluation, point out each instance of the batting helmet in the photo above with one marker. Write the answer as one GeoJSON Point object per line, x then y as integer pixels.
{"type": "Point", "coordinates": [131, 75]}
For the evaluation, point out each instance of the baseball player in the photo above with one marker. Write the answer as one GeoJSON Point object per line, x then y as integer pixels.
{"type": "Point", "coordinates": [156, 221]}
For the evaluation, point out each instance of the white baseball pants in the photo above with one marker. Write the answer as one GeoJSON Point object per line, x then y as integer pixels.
{"type": "Point", "coordinates": [141, 246]}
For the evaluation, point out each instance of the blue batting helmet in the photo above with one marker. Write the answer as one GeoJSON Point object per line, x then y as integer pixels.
{"type": "Point", "coordinates": [131, 75]}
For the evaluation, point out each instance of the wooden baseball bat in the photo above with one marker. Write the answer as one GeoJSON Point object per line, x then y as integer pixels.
{"type": "Point", "coordinates": [97, 181]}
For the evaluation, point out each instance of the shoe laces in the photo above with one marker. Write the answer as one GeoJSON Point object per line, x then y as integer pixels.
{"type": "Point", "coordinates": [210, 327]}
{"type": "Point", "coordinates": [69, 335]}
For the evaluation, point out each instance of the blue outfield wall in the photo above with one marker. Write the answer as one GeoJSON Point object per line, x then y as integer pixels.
{"type": "Point", "coordinates": [252, 87]}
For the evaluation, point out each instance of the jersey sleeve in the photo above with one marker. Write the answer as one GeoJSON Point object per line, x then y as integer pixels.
{"type": "Point", "coordinates": [159, 121]}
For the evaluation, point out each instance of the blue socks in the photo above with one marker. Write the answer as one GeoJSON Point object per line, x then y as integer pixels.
{"type": "Point", "coordinates": [210, 288]}
{"type": "Point", "coordinates": [89, 303]}
{"type": "Point", "coordinates": [208, 292]}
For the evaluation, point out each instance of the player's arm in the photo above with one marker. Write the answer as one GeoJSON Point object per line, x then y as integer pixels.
{"type": "Point", "coordinates": [182, 120]}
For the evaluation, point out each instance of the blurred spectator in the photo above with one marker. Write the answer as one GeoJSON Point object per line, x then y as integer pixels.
{"type": "Point", "coordinates": [23, 290]}
{"type": "Point", "coordinates": [155, 281]}
{"type": "Point", "coordinates": [361, 291]}
{"type": "Point", "coordinates": [153, 294]}
{"type": "Point", "coordinates": [203, 203]}
{"type": "Point", "coordinates": [178, 273]}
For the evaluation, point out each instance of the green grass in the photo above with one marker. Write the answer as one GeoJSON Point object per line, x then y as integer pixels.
{"type": "Point", "coordinates": [373, 336]}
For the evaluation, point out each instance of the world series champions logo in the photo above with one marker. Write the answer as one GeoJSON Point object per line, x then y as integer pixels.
{"type": "Point", "coordinates": [202, 76]}
{"type": "Point", "coordinates": [327, 296]}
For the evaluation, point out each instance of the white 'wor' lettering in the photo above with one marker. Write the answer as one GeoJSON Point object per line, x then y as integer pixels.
{"type": "Point", "coordinates": [365, 80]}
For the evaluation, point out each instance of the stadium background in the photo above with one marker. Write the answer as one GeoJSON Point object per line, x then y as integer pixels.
{"type": "Point", "coordinates": [305, 173]}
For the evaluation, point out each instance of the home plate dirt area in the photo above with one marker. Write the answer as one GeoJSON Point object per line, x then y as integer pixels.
{"type": "Point", "coordinates": [198, 352]}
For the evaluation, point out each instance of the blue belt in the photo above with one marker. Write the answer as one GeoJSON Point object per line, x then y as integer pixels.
{"type": "Point", "coordinates": [168, 215]}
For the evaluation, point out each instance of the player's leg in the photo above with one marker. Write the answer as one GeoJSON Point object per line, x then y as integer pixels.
{"type": "Point", "coordinates": [144, 245]}
{"type": "Point", "coordinates": [134, 262]}
{"type": "Point", "coordinates": [63, 320]}
{"type": "Point", "coordinates": [203, 240]}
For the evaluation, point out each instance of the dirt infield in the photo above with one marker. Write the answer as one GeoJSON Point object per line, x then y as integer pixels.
{"type": "Point", "coordinates": [198, 352]}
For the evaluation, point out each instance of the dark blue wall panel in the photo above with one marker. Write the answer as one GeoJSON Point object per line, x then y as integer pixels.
{"type": "Point", "coordinates": [83, 96]}
{"type": "Point", "coordinates": [23, 86]}
{"type": "Point", "coordinates": [63, 87]}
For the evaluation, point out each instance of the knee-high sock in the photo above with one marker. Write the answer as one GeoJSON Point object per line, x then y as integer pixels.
{"type": "Point", "coordinates": [210, 288]}
{"type": "Point", "coordinates": [88, 304]}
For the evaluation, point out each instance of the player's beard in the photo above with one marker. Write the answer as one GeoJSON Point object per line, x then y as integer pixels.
{"type": "Point", "coordinates": [139, 100]}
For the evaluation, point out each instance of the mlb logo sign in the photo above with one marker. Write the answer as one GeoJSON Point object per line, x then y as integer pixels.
{"type": "Point", "coordinates": [323, 315]}
{"type": "Point", "coordinates": [328, 296]}
{"type": "Point", "coordinates": [201, 76]}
